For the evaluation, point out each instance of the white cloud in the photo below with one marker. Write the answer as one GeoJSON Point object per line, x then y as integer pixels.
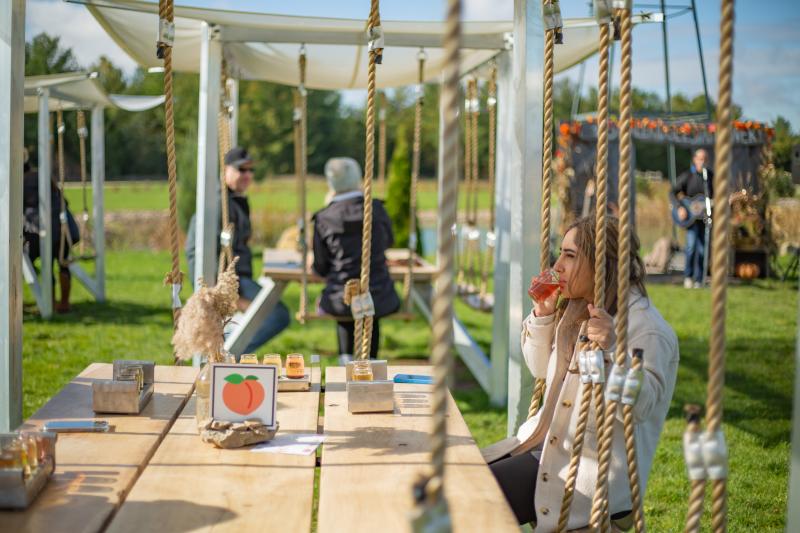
{"type": "Point", "coordinates": [77, 29]}
{"type": "Point", "coordinates": [488, 9]}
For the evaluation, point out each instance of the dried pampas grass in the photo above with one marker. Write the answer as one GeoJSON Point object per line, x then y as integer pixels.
{"type": "Point", "coordinates": [203, 318]}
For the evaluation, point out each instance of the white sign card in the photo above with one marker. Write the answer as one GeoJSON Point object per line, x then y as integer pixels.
{"type": "Point", "coordinates": [244, 392]}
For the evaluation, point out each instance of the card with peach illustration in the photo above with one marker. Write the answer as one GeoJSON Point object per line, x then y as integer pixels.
{"type": "Point", "coordinates": [244, 392]}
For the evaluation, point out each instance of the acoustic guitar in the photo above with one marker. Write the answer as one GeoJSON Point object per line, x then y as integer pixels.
{"type": "Point", "coordinates": [695, 208]}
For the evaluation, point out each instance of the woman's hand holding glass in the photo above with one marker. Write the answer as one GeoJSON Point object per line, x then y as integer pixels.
{"type": "Point", "coordinates": [544, 293]}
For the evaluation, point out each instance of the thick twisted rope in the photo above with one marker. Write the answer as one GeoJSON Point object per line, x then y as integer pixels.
{"type": "Point", "coordinates": [442, 353]}
{"type": "Point", "coordinates": [605, 440]}
{"type": "Point", "coordinates": [577, 443]}
{"type": "Point", "coordinates": [375, 56]}
{"type": "Point", "coordinates": [175, 276]}
{"type": "Point", "coordinates": [408, 281]}
{"type": "Point", "coordinates": [698, 485]}
{"type": "Point", "coordinates": [473, 243]}
{"type": "Point", "coordinates": [465, 257]}
{"type": "Point", "coordinates": [65, 242]}
{"type": "Point", "coordinates": [301, 168]}
{"type": "Point", "coordinates": [599, 518]}
{"type": "Point", "coordinates": [85, 230]}
{"type": "Point", "coordinates": [633, 466]}
{"type": "Point", "coordinates": [382, 143]}
{"type": "Point", "coordinates": [224, 142]}
{"type": "Point", "coordinates": [491, 104]}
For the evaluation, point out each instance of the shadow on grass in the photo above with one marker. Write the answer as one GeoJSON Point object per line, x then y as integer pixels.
{"type": "Point", "coordinates": [109, 312]}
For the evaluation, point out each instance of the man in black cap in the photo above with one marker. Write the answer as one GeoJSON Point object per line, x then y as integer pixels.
{"type": "Point", "coordinates": [238, 177]}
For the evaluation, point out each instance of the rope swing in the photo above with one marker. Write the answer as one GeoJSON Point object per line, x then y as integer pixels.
{"type": "Point", "coordinates": [65, 242]}
{"type": "Point", "coordinates": [166, 36]}
{"type": "Point", "coordinates": [382, 143]}
{"type": "Point", "coordinates": [708, 458]}
{"type": "Point", "coordinates": [491, 105]}
{"type": "Point", "coordinates": [361, 305]}
{"type": "Point", "coordinates": [431, 512]}
{"type": "Point", "coordinates": [408, 281]}
{"type": "Point", "coordinates": [301, 169]}
{"type": "Point", "coordinates": [224, 141]}
{"type": "Point", "coordinates": [86, 246]}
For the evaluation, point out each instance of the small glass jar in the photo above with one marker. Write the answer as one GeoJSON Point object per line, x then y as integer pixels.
{"type": "Point", "coordinates": [295, 366]}
{"type": "Point", "coordinates": [228, 358]}
{"type": "Point", "coordinates": [362, 371]}
{"type": "Point", "coordinates": [32, 449]}
{"type": "Point", "coordinates": [202, 387]}
{"type": "Point", "coordinates": [273, 359]}
{"type": "Point", "coordinates": [248, 359]}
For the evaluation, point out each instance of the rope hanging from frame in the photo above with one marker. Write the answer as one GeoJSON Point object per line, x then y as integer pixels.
{"type": "Point", "coordinates": [408, 280]}
{"type": "Point", "coordinates": [166, 36]}
{"type": "Point", "coordinates": [486, 266]}
{"type": "Point", "coordinates": [547, 160]}
{"type": "Point", "coordinates": [714, 453]}
{"type": "Point", "coordinates": [86, 246]}
{"type": "Point", "coordinates": [431, 513]}
{"type": "Point", "coordinates": [365, 310]}
{"type": "Point", "coordinates": [65, 241]}
{"type": "Point", "coordinates": [224, 141]}
{"type": "Point", "coordinates": [382, 143]}
{"type": "Point", "coordinates": [301, 169]}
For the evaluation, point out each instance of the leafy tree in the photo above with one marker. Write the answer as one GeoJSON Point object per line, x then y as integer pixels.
{"type": "Point", "coordinates": [399, 191]}
{"type": "Point", "coordinates": [783, 142]}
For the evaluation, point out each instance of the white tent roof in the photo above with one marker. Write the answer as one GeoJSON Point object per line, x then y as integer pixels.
{"type": "Point", "coordinates": [265, 47]}
{"type": "Point", "coordinates": [81, 90]}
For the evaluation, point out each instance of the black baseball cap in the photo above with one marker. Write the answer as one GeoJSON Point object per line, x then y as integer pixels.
{"type": "Point", "coordinates": [237, 157]}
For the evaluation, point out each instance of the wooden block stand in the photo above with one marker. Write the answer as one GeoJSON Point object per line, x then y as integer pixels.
{"type": "Point", "coordinates": [375, 396]}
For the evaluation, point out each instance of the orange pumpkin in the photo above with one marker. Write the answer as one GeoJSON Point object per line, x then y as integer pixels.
{"type": "Point", "coordinates": [747, 270]}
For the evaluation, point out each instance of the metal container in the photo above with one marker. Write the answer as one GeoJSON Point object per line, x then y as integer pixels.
{"type": "Point", "coordinates": [129, 390]}
{"type": "Point", "coordinates": [17, 491]}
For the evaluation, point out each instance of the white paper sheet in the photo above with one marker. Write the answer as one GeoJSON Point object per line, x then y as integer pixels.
{"type": "Point", "coordinates": [291, 444]}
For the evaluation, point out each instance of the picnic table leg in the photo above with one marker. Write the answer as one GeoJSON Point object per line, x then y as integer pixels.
{"type": "Point", "coordinates": [260, 308]}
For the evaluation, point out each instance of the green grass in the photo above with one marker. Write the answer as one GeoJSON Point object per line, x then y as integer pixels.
{"type": "Point", "coordinates": [136, 322]}
{"type": "Point", "coordinates": [278, 195]}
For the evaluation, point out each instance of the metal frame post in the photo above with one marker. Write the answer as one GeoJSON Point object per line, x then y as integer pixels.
{"type": "Point", "coordinates": [12, 82]}
{"type": "Point", "coordinates": [502, 229]}
{"type": "Point", "coordinates": [671, 147]}
{"type": "Point", "coordinates": [45, 209]}
{"type": "Point", "coordinates": [702, 61]}
{"type": "Point", "coordinates": [233, 91]}
{"type": "Point", "coordinates": [98, 154]}
{"type": "Point", "coordinates": [207, 206]}
{"type": "Point", "coordinates": [525, 183]}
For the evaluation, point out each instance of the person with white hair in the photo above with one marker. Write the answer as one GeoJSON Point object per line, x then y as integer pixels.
{"type": "Point", "coordinates": [337, 252]}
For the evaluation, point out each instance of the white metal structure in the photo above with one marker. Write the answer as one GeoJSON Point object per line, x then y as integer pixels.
{"type": "Point", "coordinates": [71, 91]}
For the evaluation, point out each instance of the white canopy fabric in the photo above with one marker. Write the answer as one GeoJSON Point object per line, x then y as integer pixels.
{"type": "Point", "coordinates": [81, 90]}
{"type": "Point", "coordinates": [259, 46]}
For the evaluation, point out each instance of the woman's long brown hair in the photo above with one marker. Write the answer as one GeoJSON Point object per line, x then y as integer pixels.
{"type": "Point", "coordinates": [585, 241]}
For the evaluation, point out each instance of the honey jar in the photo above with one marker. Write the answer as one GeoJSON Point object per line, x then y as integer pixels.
{"type": "Point", "coordinates": [362, 371]}
{"type": "Point", "coordinates": [295, 366]}
{"type": "Point", "coordinates": [273, 359]}
{"type": "Point", "coordinates": [249, 359]}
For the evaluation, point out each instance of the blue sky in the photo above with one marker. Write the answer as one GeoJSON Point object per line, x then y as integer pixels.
{"type": "Point", "coordinates": [767, 47]}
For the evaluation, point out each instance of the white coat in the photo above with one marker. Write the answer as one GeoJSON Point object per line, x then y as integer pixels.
{"type": "Point", "coordinates": [647, 330]}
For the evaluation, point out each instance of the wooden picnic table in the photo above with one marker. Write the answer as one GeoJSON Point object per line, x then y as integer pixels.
{"type": "Point", "coordinates": [285, 265]}
{"type": "Point", "coordinates": [95, 471]}
{"type": "Point", "coordinates": [192, 486]}
{"type": "Point", "coordinates": [370, 461]}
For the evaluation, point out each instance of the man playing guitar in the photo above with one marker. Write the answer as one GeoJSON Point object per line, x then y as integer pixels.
{"type": "Point", "coordinates": [697, 184]}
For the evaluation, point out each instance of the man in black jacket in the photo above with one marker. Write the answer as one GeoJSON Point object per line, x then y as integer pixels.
{"type": "Point", "coordinates": [337, 252]}
{"type": "Point", "coordinates": [238, 177]}
{"type": "Point", "coordinates": [695, 181]}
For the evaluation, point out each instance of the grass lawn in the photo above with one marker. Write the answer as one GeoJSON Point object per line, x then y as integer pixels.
{"type": "Point", "coordinates": [136, 322]}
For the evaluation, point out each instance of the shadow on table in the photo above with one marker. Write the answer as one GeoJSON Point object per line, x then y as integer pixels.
{"type": "Point", "coordinates": [169, 516]}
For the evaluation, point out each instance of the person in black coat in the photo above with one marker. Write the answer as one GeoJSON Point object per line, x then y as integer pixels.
{"type": "Point", "coordinates": [691, 183]}
{"type": "Point", "coordinates": [337, 252]}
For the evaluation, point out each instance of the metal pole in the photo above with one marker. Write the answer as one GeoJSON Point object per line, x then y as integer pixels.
{"type": "Point", "coordinates": [12, 81]}
{"type": "Point", "coordinates": [702, 60]}
{"type": "Point", "coordinates": [45, 209]}
{"type": "Point", "coordinates": [670, 147]}
{"type": "Point", "coordinates": [98, 151]}
{"type": "Point", "coordinates": [502, 250]}
{"type": "Point", "coordinates": [576, 98]}
{"type": "Point", "coordinates": [793, 508]}
{"type": "Point", "coordinates": [233, 90]}
{"type": "Point", "coordinates": [207, 206]}
{"type": "Point", "coordinates": [525, 181]}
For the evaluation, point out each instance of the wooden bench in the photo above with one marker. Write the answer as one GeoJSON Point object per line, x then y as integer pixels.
{"type": "Point", "coordinates": [370, 461]}
{"type": "Point", "coordinates": [192, 486]}
{"type": "Point", "coordinates": [95, 471]}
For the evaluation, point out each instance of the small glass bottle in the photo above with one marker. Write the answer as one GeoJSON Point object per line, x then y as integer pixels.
{"type": "Point", "coordinates": [32, 449]}
{"type": "Point", "coordinates": [202, 387]}
{"type": "Point", "coordinates": [273, 359]}
{"type": "Point", "coordinates": [362, 370]}
{"type": "Point", "coordinates": [295, 366]}
{"type": "Point", "coordinates": [248, 359]}
{"type": "Point", "coordinates": [228, 358]}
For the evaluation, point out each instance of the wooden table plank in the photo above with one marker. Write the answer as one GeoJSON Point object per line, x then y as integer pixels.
{"type": "Point", "coordinates": [284, 265]}
{"type": "Point", "coordinates": [370, 461]}
{"type": "Point", "coordinates": [94, 471]}
{"type": "Point", "coordinates": [192, 486]}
